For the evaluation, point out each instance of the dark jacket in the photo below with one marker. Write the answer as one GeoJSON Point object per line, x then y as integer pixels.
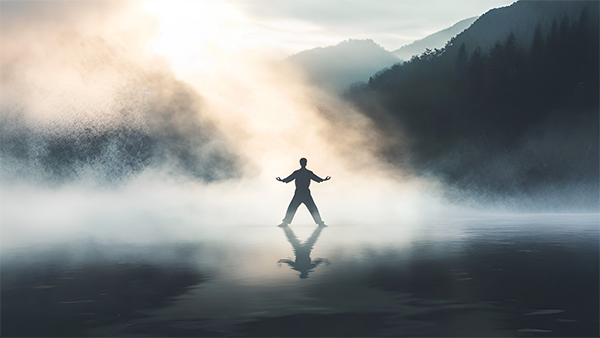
{"type": "Point", "coordinates": [302, 177]}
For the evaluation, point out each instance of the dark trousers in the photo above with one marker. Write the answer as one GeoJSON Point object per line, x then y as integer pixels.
{"type": "Point", "coordinates": [302, 196]}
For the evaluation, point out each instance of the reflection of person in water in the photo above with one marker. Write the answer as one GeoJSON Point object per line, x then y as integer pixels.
{"type": "Point", "coordinates": [302, 177]}
{"type": "Point", "coordinates": [303, 263]}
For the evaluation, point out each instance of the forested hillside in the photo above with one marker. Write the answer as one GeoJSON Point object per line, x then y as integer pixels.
{"type": "Point", "coordinates": [434, 40]}
{"type": "Point", "coordinates": [517, 119]}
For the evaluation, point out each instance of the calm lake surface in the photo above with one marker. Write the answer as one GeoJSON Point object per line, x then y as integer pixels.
{"type": "Point", "coordinates": [499, 275]}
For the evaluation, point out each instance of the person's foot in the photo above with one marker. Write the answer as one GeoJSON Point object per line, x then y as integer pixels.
{"type": "Point", "coordinates": [283, 225]}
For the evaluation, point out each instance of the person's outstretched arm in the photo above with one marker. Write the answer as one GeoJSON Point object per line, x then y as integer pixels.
{"type": "Point", "coordinates": [287, 179]}
{"type": "Point", "coordinates": [318, 179]}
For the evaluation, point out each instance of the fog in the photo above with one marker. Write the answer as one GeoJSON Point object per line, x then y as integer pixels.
{"type": "Point", "coordinates": [139, 148]}
{"type": "Point", "coordinates": [105, 138]}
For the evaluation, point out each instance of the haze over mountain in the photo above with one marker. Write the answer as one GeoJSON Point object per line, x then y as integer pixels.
{"type": "Point", "coordinates": [435, 40]}
{"type": "Point", "coordinates": [505, 118]}
{"type": "Point", "coordinates": [334, 68]}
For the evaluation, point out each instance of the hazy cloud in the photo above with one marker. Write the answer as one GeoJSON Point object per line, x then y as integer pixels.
{"type": "Point", "coordinates": [84, 97]}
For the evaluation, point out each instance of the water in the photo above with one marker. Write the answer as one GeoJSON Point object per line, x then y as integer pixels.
{"type": "Point", "coordinates": [494, 275]}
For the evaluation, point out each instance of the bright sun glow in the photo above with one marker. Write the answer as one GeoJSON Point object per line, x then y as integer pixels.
{"type": "Point", "coordinates": [195, 35]}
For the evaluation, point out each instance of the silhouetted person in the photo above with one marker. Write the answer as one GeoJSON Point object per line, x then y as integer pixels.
{"type": "Point", "coordinates": [302, 177]}
{"type": "Point", "coordinates": [303, 263]}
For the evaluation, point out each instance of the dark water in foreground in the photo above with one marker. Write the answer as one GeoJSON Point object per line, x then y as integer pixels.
{"type": "Point", "coordinates": [527, 275]}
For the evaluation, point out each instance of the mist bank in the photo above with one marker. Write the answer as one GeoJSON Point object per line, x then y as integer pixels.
{"type": "Point", "coordinates": [159, 128]}
{"type": "Point", "coordinates": [104, 108]}
{"type": "Point", "coordinates": [514, 125]}
{"type": "Point", "coordinates": [85, 100]}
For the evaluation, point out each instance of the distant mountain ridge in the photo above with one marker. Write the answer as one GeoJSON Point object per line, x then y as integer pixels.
{"type": "Point", "coordinates": [334, 68]}
{"type": "Point", "coordinates": [521, 19]}
{"type": "Point", "coordinates": [435, 40]}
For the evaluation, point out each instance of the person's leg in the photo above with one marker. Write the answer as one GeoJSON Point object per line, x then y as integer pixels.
{"type": "Point", "coordinates": [291, 210]}
{"type": "Point", "coordinates": [312, 207]}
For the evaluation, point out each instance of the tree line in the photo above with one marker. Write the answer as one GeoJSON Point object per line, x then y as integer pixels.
{"type": "Point", "coordinates": [459, 112]}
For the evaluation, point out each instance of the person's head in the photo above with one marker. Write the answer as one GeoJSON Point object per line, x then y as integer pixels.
{"type": "Point", "coordinates": [303, 162]}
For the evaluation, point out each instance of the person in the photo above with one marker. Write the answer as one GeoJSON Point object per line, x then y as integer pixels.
{"type": "Point", "coordinates": [302, 178]}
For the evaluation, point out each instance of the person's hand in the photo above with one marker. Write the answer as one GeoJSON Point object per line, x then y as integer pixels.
{"type": "Point", "coordinates": [279, 179]}
{"type": "Point", "coordinates": [327, 178]}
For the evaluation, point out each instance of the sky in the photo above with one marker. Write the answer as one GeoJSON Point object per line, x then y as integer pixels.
{"type": "Point", "coordinates": [283, 27]}
{"type": "Point", "coordinates": [390, 23]}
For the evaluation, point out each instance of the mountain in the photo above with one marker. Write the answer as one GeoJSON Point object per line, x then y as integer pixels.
{"type": "Point", "coordinates": [497, 117]}
{"type": "Point", "coordinates": [435, 40]}
{"type": "Point", "coordinates": [335, 68]}
{"type": "Point", "coordinates": [521, 19]}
